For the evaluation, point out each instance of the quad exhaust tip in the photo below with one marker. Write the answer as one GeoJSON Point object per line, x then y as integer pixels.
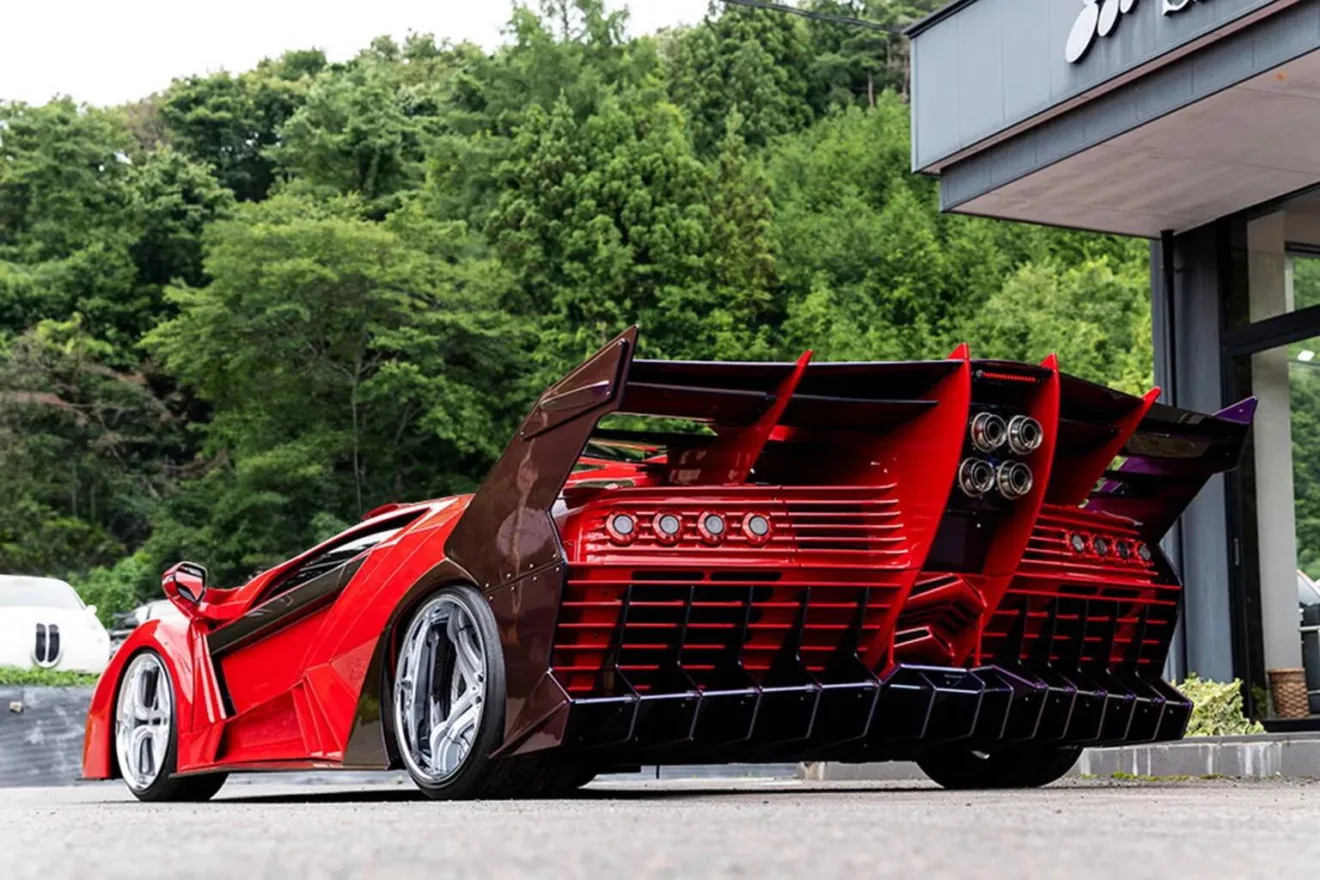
{"type": "Point", "coordinates": [989, 431]}
{"type": "Point", "coordinates": [976, 477]}
{"type": "Point", "coordinates": [1024, 435]}
{"type": "Point", "coordinates": [1014, 480]}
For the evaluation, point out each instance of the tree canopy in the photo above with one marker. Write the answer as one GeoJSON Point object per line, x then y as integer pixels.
{"type": "Point", "coordinates": [238, 313]}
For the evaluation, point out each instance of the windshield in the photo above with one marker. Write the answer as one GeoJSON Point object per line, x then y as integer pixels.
{"type": "Point", "coordinates": [19, 592]}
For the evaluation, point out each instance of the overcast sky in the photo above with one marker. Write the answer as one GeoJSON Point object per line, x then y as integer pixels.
{"type": "Point", "coordinates": [107, 53]}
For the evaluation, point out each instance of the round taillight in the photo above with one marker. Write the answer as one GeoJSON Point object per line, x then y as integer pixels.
{"type": "Point", "coordinates": [667, 526]}
{"type": "Point", "coordinates": [1144, 552]}
{"type": "Point", "coordinates": [622, 527]}
{"type": "Point", "coordinates": [712, 527]}
{"type": "Point", "coordinates": [1124, 550]}
{"type": "Point", "coordinates": [1078, 542]}
{"type": "Point", "coordinates": [756, 528]}
{"type": "Point", "coordinates": [1101, 546]}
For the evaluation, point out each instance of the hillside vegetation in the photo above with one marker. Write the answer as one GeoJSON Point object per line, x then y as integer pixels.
{"type": "Point", "coordinates": [239, 313]}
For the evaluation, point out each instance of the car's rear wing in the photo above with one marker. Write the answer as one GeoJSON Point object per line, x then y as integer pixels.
{"type": "Point", "coordinates": [755, 411]}
{"type": "Point", "coordinates": [1168, 459]}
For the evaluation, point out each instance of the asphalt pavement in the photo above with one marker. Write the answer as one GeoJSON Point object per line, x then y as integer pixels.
{"type": "Point", "coordinates": [673, 828]}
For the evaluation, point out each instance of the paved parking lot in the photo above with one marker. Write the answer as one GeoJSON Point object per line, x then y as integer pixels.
{"type": "Point", "coordinates": [673, 828]}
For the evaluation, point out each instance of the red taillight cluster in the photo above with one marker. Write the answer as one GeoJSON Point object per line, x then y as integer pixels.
{"type": "Point", "coordinates": [667, 527]}
{"type": "Point", "coordinates": [621, 527]}
{"type": "Point", "coordinates": [1107, 547]}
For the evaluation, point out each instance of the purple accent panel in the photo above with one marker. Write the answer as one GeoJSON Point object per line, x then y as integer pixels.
{"type": "Point", "coordinates": [1241, 412]}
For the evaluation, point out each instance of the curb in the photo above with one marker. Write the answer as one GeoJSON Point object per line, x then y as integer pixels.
{"type": "Point", "coordinates": [1288, 756]}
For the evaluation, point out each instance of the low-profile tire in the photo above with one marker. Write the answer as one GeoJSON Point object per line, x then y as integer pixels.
{"type": "Point", "coordinates": [568, 780]}
{"type": "Point", "coordinates": [147, 737]}
{"type": "Point", "coordinates": [557, 776]}
{"type": "Point", "coordinates": [1019, 767]}
{"type": "Point", "coordinates": [448, 693]}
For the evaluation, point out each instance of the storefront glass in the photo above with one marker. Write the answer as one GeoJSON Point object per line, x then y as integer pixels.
{"type": "Point", "coordinates": [1278, 485]}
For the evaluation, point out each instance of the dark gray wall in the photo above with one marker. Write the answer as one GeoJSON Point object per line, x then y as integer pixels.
{"type": "Point", "coordinates": [991, 64]}
{"type": "Point", "coordinates": [1264, 45]}
{"type": "Point", "coordinates": [41, 743]}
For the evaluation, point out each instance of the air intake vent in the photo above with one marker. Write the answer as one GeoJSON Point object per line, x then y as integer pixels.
{"type": "Point", "coordinates": [46, 650]}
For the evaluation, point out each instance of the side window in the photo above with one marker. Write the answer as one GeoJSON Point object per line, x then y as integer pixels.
{"type": "Point", "coordinates": [337, 555]}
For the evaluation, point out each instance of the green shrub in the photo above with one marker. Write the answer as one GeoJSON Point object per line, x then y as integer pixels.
{"type": "Point", "coordinates": [1217, 708]}
{"type": "Point", "coordinates": [12, 675]}
{"type": "Point", "coordinates": [116, 588]}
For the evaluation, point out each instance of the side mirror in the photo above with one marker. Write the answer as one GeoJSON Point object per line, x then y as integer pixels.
{"type": "Point", "coordinates": [91, 609]}
{"type": "Point", "coordinates": [185, 581]}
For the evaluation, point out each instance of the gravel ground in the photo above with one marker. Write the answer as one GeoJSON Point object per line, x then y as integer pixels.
{"type": "Point", "coordinates": [673, 828]}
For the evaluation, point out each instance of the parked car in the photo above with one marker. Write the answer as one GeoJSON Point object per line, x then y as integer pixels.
{"type": "Point", "coordinates": [1308, 599]}
{"type": "Point", "coordinates": [123, 623]}
{"type": "Point", "coordinates": [44, 624]}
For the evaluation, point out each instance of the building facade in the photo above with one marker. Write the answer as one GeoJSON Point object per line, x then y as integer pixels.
{"type": "Point", "coordinates": [1194, 124]}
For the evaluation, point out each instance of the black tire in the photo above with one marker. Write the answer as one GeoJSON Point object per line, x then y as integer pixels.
{"type": "Point", "coordinates": [566, 779]}
{"type": "Point", "coordinates": [167, 787]}
{"type": "Point", "coordinates": [555, 776]}
{"type": "Point", "coordinates": [1019, 767]}
{"type": "Point", "coordinates": [479, 776]}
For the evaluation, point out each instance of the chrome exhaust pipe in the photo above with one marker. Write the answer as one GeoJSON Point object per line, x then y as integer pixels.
{"type": "Point", "coordinates": [975, 477]}
{"type": "Point", "coordinates": [1014, 479]}
{"type": "Point", "coordinates": [989, 431]}
{"type": "Point", "coordinates": [1024, 435]}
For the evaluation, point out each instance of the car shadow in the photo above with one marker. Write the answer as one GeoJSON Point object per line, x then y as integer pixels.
{"type": "Point", "coordinates": [607, 792]}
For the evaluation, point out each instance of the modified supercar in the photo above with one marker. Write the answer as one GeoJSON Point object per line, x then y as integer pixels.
{"type": "Point", "coordinates": [954, 562]}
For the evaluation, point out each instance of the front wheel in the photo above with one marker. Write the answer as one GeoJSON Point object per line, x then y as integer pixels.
{"type": "Point", "coordinates": [1018, 767]}
{"type": "Point", "coordinates": [146, 736]}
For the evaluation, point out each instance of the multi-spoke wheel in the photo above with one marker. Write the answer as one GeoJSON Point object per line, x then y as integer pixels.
{"type": "Point", "coordinates": [145, 738]}
{"type": "Point", "coordinates": [1025, 766]}
{"type": "Point", "coordinates": [448, 695]}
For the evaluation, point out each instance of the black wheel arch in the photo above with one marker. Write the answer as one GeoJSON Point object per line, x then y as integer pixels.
{"type": "Point", "coordinates": [370, 743]}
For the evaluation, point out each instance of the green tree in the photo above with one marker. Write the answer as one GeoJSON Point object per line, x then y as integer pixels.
{"type": "Point", "coordinates": [1095, 316]}
{"type": "Point", "coordinates": [83, 452]}
{"type": "Point", "coordinates": [750, 61]}
{"type": "Point", "coordinates": [851, 64]}
{"type": "Point", "coordinates": [229, 122]}
{"type": "Point", "coordinates": [348, 363]}
{"type": "Point", "coordinates": [612, 220]}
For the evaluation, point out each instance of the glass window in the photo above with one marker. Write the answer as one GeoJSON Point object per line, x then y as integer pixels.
{"type": "Point", "coordinates": [35, 592]}
{"type": "Point", "coordinates": [1275, 265]}
{"type": "Point", "coordinates": [1280, 479]}
{"type": "Point", "coordinates": [339, 553]}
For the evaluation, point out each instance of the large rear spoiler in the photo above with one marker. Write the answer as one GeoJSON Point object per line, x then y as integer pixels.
{"type": "Point", "coordinates": [1168, 459]}
{"type": "Point", "coordinates": [1166, 454]}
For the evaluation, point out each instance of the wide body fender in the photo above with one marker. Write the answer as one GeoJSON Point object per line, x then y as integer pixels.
{"type": "Point", "coordinates": [176, 643]}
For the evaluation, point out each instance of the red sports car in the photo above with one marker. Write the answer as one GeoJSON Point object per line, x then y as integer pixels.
{"type": "Point", "coordinates": [954, 562]}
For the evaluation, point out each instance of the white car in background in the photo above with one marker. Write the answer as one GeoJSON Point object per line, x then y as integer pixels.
{"type": "Point", "coordinates": [44, 624]}
{"type": "Point", "coordinates": [123, 623]}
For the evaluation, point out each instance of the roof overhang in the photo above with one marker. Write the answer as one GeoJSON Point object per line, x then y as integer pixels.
{"type": "Point", "coordinates": [1167, 122]}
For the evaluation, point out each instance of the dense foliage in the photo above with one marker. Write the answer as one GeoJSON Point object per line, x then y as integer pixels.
{"type": "Point", "coordinates": [237, 314]}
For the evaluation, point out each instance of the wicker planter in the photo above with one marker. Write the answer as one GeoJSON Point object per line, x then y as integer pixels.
{"type": "Point", "coordinates": [1288, 692]}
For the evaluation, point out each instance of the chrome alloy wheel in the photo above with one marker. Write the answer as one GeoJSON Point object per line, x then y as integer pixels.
{"type": "Point", "coordinates": [144, 718]}
{"type": "Point", "coordinates": [440, 689]}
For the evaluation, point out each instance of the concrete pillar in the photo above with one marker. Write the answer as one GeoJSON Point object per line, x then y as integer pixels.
{"type": "Point", "coordinates": [1163, 337]}
{"type": "Point", "coordinates": [1186, 327]}
{"type": "Point", "coordinates": [1271, 293]}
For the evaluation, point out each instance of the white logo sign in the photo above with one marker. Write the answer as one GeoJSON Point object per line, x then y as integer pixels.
{"type": "Point", "coordinates": [1099, 18]}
